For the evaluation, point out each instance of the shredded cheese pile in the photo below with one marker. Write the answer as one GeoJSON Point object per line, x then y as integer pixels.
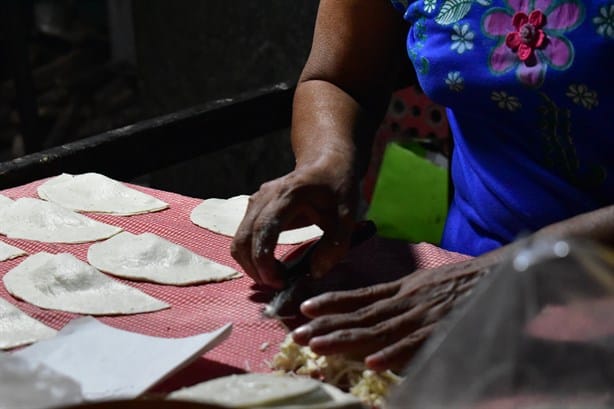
{"type": "Point", "coordinates": [369, 386]}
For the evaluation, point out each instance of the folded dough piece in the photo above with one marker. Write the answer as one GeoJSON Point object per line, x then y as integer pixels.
{"type": "Point", "coordinates": [35, 219]}
{"type": "Point", "coordinates": [267, 390]}
{"type": "Point", "coordinates": [93, 192]}
{"type": "Point", "coordinates": [63, 282]}
{"type": "Point", "coordinates": [149, 257]}
{"type": "Point", "coordinates": [223, 216]}
{"type": "Point", "coordinates": [8, 252]}
{"type": "Point", "coordinates": [18, 328]}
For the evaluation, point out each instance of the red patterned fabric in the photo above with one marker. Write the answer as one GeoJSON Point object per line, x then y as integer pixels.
{"type": "Point", "coordinates": [428, 255]}
{"type": "Point", "coordinates": [194, 309]}
{"type": "Point", "coordinates": [411, 116]}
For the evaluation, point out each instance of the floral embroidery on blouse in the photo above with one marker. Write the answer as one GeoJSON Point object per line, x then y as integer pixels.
{"type": "Point", "coordinates": [421, 63]}
{"type": "Point", "coordinates": [528, 35]}
{"type": "Point", "coordinates": [462, 38]}
{"type": "Point", "coordinates": [580, 94]}
{"type": "Point", "coordinates": [420, 30]}
{"type": "Point", "coordinates": [531, 37]}
{"type": "Point", "coordinates": [505, 101]}
{"type": "Point", "coordinates": [455, 81]}
{"type": "Point", "coordinates": [430, 5]}
{"type": "Point", "coordinates": [454, 10]}
{"type": "Point", "coordinates": [605, 21]}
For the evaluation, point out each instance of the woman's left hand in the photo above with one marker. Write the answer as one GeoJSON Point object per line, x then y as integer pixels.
{"type": "Point", "coordinates": [385, 323]}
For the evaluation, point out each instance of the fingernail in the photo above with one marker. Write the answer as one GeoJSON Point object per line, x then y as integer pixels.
{"type": "Point", "coordinates": [302, 332]}
{"type": "Point", "coordinates": [307, 305]}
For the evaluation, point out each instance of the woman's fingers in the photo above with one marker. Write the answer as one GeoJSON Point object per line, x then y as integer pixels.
{"type": "Point", "coordinates": [334, 245]}
{"type": "Point", "coordinates": [241, 248]}
{"type": "Point", "coordinates": [295, 200]}
{"type": "Point", "coordinates": [368, 330]}
{"type": "Point", "coordinates": [340, 302]}
{"type": "Point", "coordinates": [386, 323]}
{"type": "Point", "coordinates": [361, 342]}
{"type": "Point", "coordinates": [397, 355]}
{"type": "Point", "coordinates": [268, 213]}
{"type": "Point", "coordinates": [266, 228]}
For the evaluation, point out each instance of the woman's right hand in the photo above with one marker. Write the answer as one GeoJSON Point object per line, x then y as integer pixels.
{"type": "Point", "coordinates": [321, 193]}
{"type": "Point", "coordinates": [339, 102]}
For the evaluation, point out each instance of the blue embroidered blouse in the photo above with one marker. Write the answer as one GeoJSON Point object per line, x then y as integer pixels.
{"type": "Point", "coordinates": [529, 86]}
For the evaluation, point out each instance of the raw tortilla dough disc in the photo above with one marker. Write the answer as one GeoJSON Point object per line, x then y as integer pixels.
{"type": "Point", "coordinates": [93, 192]}
{"type": "Point", "coordinates": [247, 390]}
{"type": "Point", "coordinates": [151, 258]}
{"type": "Point", "coordinates": [63, 282]}
{"type": "Point", "coordinates": [224, 216]}
{"type": "Point", "coordinates": [18, 328]}
{"type": "Point", "coordinates": [8, 252]}
{"type": "Point", "coordinates": [267, 390]}
{"type": "Point", "coordinates": [35, 219]}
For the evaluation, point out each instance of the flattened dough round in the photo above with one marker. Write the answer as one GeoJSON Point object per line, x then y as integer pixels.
{"type": "Point", "coordinates": [223, 216]}
{"type": "Point", "coordinates": [149, 257]}
{"type": "Point", "coordinates": [18, 328]}
{"type": "Point", "coordinates": [247, 390]}
{"type": "Point", "coordinates": [35, 219]}
{"type": "Point", "coordinates": [93, 192]}
{"type": "Point", "coordinates": [8, 252]}
{"type": "Point", "coordinates": [63, 282]}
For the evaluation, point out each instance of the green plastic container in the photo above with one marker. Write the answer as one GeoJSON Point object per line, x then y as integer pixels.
{"type": "Point", "coordinates": [410, 200]}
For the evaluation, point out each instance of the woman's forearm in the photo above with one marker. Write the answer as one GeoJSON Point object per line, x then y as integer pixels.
{"type": "Point", "coordinates": [346, 83]}
{"type": "Point", "coordinates": [596, 225]}
{"type": "Point", "coordinates": [329, 125]}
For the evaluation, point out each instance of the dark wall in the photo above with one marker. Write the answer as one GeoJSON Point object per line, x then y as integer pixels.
{"type": "Point", "coordinates": [192, 51]}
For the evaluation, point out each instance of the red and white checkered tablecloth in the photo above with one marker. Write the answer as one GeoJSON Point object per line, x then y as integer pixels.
{"type": "Point", "coordinates": [194, 309]}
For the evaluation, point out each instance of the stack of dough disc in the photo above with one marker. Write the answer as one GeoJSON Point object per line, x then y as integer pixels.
{"type": "Point", "coordinates": [148, 257]}
{"type": "Point", "coordinates": [223, 216]}
{"type": "Point", "coordinates": [93, 192]}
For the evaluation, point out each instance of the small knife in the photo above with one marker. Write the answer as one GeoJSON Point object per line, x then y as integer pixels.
{"type": "Point", "coordinates": [297, 269]}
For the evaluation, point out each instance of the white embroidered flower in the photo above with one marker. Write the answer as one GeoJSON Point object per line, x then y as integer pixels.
{"type": "Point", "coordinates": [581, 95]}
{"type": "Point", "coordinates": [505, 101]}
{"type": "Point", "coordinates": [605, 21]}
{"type": "Point", "coordinates": [429, 5]}
{"type": "Point", "coordinates": [455, 81]}
{"type": "Point", "coordinates": [462, 38]}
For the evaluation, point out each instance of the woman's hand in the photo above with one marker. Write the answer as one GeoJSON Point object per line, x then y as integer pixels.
{"type": "Point", "coordinates": [339, 102]}
{"type": "Point", "coordinates": [322, 193]}
{"type": "Point", "coordinates": [386, 323]}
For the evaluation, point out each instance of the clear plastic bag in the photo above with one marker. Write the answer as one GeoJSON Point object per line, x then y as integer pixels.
{"type": "Point", "coordinates": [538, 332]}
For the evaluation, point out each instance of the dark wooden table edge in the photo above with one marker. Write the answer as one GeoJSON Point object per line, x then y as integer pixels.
{"type": "Point", "coordinates": [153, 144]}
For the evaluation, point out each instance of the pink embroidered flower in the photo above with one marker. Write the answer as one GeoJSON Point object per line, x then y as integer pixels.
{"type": "Point", "coordinates": [530, 37]}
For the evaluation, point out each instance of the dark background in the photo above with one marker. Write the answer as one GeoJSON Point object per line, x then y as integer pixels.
{"type": "Point", "coordinates": [74, 68]}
